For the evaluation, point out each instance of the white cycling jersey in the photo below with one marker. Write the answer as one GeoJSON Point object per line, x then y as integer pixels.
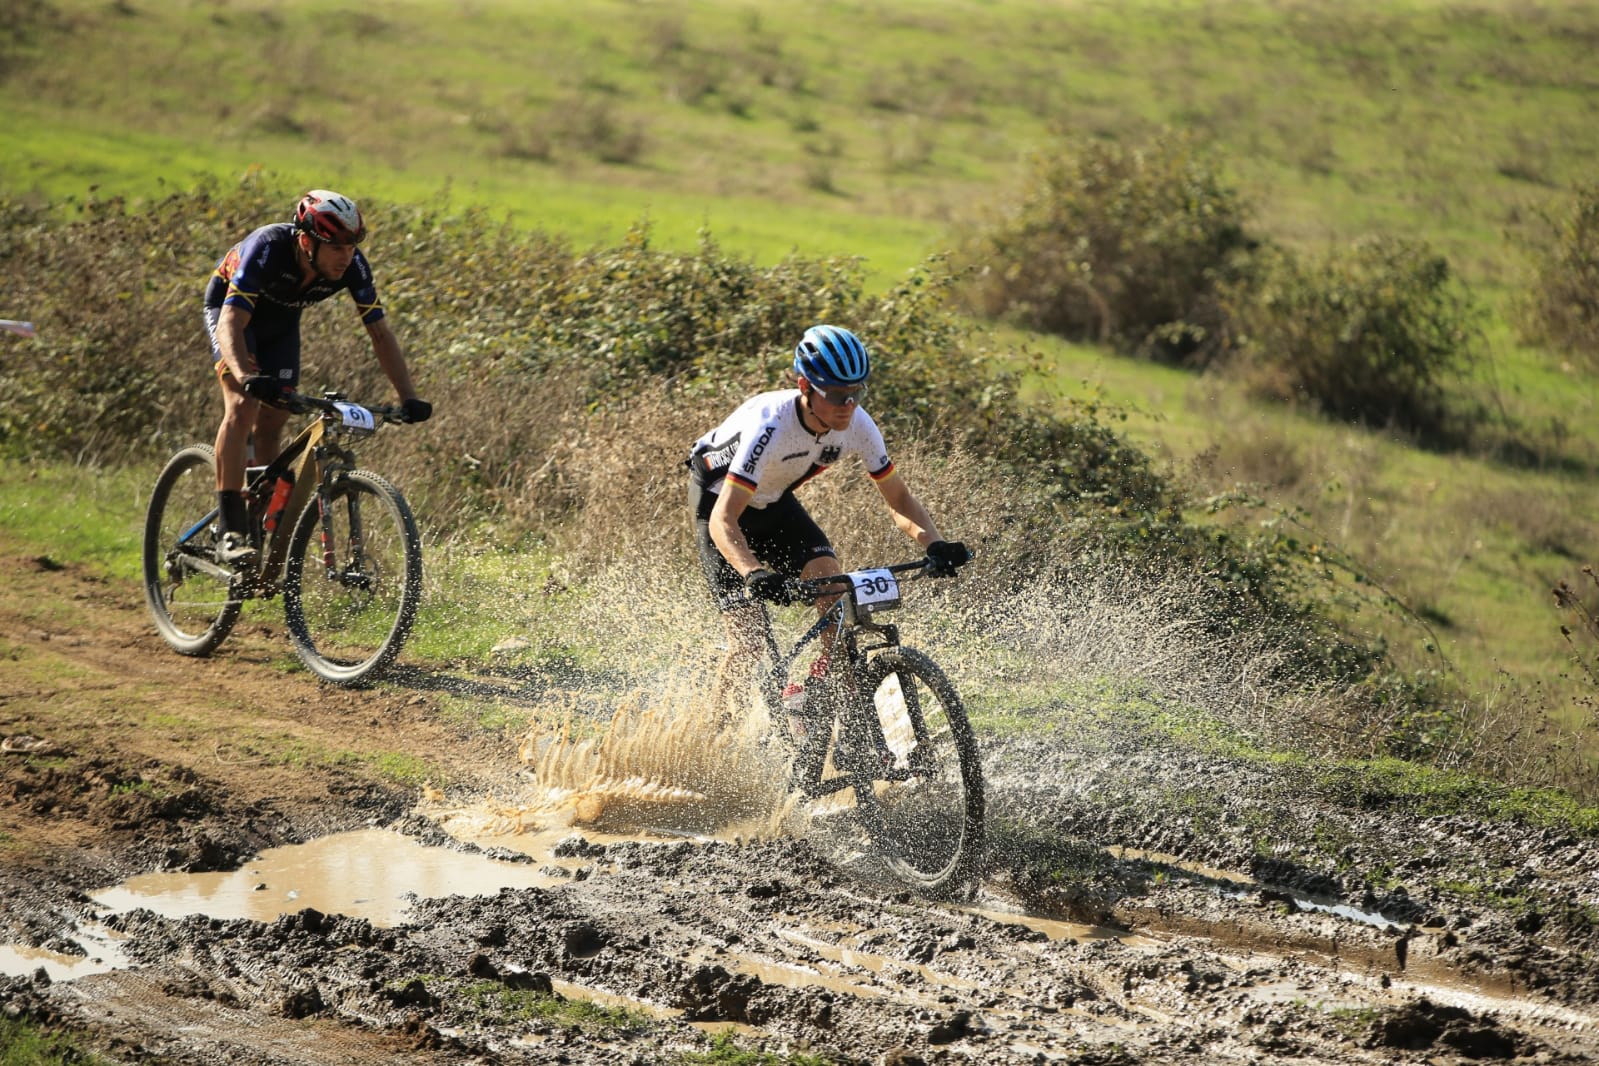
{"type": "Point", "coordinates": [765, 447]}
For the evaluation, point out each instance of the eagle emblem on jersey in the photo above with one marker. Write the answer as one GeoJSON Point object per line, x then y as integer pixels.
{"type": "Point", "coordinates": [829, 455]}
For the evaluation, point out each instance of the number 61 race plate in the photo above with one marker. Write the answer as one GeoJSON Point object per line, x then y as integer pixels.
{"type": "Point", "coordinates": [357, 417]}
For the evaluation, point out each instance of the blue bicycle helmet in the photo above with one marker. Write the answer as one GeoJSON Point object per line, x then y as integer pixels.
{"type": "Point", "coordinates": [831, 355]}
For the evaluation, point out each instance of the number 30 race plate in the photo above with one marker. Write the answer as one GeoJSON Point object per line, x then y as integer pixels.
{"type": "Point", "coordinates": [875, 589]}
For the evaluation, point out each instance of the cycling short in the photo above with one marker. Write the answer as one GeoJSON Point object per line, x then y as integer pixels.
{"type": "Point", "coordinates": [783, 536]}
{"type": "Point", "coordinates": [276, 348]}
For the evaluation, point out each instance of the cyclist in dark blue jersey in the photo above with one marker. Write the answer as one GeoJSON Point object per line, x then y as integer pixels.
{"type": "Point", "coordinates": [252, 314]}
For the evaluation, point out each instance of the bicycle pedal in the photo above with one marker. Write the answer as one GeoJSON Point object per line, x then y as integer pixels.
{"type": "Point", "coordinates": [234, 550]}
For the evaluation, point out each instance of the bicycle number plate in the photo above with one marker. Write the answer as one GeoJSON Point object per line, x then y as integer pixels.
{"type": "Point", "coordinates": [875, 590]}
{"type": "Point", "coordinates": [357, 418]}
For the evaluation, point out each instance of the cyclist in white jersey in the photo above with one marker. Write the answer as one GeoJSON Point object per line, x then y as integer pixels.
{"type": "Point", "coordinates": [754, 536]}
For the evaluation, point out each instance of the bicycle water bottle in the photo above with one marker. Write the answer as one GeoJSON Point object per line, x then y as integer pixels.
{"type": "Point", "coordinates": [280, 499]}
{"type": "Point", "coordinates": [794, 694]}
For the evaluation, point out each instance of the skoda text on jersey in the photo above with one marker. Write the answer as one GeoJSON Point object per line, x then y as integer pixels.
{"type": "Point", "coordinates": [765, 447]}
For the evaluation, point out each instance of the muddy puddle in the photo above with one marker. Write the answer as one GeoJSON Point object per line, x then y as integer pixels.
{"type": "Point", "coordinates": [1233, 885]}
{"type": "Point", "coordinates": [374, 874]}
{"type": "Point", "coordinates": [98, 952]}
{"type": "Point", "coordinates": [647, 778]}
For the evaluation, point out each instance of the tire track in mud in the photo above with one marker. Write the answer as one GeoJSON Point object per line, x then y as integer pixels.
{"type": "Point", "coordinates": [790, 950]}
{"type": "Point", "coordinates": [764, 937]}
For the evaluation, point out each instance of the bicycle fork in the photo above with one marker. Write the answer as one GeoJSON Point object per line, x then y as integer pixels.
{"type": "Point", "coordinates": [355, 574]}
{"type": "Point", "coordinates": [860, 753]}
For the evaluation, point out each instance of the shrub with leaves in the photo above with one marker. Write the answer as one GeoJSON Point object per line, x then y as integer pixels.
{"type": "Point", "coordinates": [1562, 308]}
{"type": "Point", "coordinates": [569, 386]}
{"type": "Point", "coordinates": [1584, 638]}
{"type": "Point", "coordinates": [116, 300]}
{"type": "Point", "coordinates": [1127, 245]}
{"type": "Point", "coordinates": [1368, 334]}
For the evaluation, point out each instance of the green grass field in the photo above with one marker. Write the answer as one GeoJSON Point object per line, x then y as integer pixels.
{"type": "Point", "coordinates": [873, 126]}
{"type": "Point", "coordinates": [880, 129]}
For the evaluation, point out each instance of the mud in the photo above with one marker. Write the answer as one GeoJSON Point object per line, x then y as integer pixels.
{"type": "Point", "coordinates": [1258, 919]}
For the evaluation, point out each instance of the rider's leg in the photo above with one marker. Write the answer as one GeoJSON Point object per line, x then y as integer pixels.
{"type": "Point", "coordinates": [233, 437]}
{"type": "Point", "coordinates": [746, 627]}
{"type": "Point", "coordinates": [277, 352]}
{"type": "Point", "coordinates": [269, 422]}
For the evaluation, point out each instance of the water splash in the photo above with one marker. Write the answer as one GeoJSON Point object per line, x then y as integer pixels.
{"type": "Point", "coordinates": [631, 741]}
{"type": "Point", "coordinates": [659, 761]}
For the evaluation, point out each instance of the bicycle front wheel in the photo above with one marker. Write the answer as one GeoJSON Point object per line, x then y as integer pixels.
{"type": "Point", "coordinates": [353, 579]}
{"type": "Point", "coordinates": [192, 600]}
{"type": "Point", "coordinates": [925, 809]}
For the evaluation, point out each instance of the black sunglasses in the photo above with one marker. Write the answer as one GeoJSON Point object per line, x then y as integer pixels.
{"type": "Point", "coordinates": [840, 397]}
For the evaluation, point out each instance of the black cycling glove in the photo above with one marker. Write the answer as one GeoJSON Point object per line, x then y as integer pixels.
{"type": "Point", "coordinates": [263, 387]}
{"type": "Point", "coordinates": [773, 588]}
{"type": "Point", "coordinates": [944, 557]}
{"type": "Point", "coordinates": [416, 410]}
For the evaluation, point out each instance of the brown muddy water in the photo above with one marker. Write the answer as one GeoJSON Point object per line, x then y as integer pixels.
{"type": "Point", "coordinates": [647, 777]}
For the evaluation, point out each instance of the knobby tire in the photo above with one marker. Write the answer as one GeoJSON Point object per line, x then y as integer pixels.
{"type": "Point", "coordinates": [928, 830]}
{"type": "Point", "coordinates": [193, 611]}
{"type": "Point", "coordinates": [350, 626]}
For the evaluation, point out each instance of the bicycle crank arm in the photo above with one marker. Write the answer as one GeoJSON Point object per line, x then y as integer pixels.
{"type": "Point", "coordinates": [206, 566]}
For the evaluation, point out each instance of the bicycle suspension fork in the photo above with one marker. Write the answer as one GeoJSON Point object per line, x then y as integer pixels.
{"type": "Point", "coordinates": [334, 462]}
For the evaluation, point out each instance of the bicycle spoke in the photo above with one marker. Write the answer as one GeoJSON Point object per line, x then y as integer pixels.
{"type": "Point", "coordinates": [353, 579]}
{"type": "Point", "coordinates": [193, 610]}
{"type": "Point", "coordinates": [925, 808]}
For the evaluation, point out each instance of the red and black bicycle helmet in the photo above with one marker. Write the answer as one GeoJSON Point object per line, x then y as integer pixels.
{"type": "Point", "coordinates": [329, 217]}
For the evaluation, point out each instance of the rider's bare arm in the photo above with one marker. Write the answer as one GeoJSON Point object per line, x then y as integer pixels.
{"type": "Point", "coordinates": [391, 358]}
{"type": "Point", "coordinates": [230, 339]}
{"type": "Point", "coordinates": [909, 513]}
{"type": "Point", "coordinates": [725, 534]}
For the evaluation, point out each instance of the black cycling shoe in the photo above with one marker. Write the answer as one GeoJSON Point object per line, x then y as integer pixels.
{"type": "Point", "coordinates": [233, 549]}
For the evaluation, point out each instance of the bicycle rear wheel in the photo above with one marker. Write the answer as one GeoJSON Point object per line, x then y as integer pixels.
{"type": "Point", "coordinates": [924, 811]}
{"type": "Point", "coordinates": [351, 594]}
{"type": "Point", "coordinates": [194, 605]}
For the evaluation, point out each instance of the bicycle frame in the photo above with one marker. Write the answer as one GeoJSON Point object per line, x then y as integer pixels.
{"type": "Point", "coordinates": [847, 708]}
{"type": "Point", "coordinates": [315, 459]}
{"type": "Point", "coordinates": [303, 458]}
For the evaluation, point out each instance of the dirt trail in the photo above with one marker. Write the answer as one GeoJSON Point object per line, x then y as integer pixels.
{"type": "Point", "coordinates": [156, 762]}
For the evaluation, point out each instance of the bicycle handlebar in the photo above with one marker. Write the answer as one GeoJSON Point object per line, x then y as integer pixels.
{"type": "Point", "coordinates": [300, 403]}
{"type": "Point", "coordinates": [814, 588]}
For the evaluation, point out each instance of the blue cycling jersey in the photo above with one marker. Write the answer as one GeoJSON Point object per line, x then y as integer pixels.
{"type": "Point", "coordinates": [261, 274]}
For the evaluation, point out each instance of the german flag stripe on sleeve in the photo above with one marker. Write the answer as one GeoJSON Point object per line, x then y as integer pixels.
{"type": "Point", "coordinates": [743, 482]}
{"type": "Point", "coordinates": [883, 473]}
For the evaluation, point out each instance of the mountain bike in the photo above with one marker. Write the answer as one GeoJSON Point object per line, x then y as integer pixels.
{"type": "Point", "coordinates": [339, 542]}
{"type": "Point", "coordinates": [883, 736]}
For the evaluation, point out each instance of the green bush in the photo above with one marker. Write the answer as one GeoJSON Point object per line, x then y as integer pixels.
{"type": "Point", "coordinates": [116, 300]}
{"type": "Point", "coordinates": [1114, 244]}
{"type": "Point", "coordinates": [1583, 640]}
{"type": "Point", "coordinates": [1367, 334]}
{"type": "Point", "coordinates": [569, 386]}
{"type": "Point", "coordinates": [1562, 308]}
